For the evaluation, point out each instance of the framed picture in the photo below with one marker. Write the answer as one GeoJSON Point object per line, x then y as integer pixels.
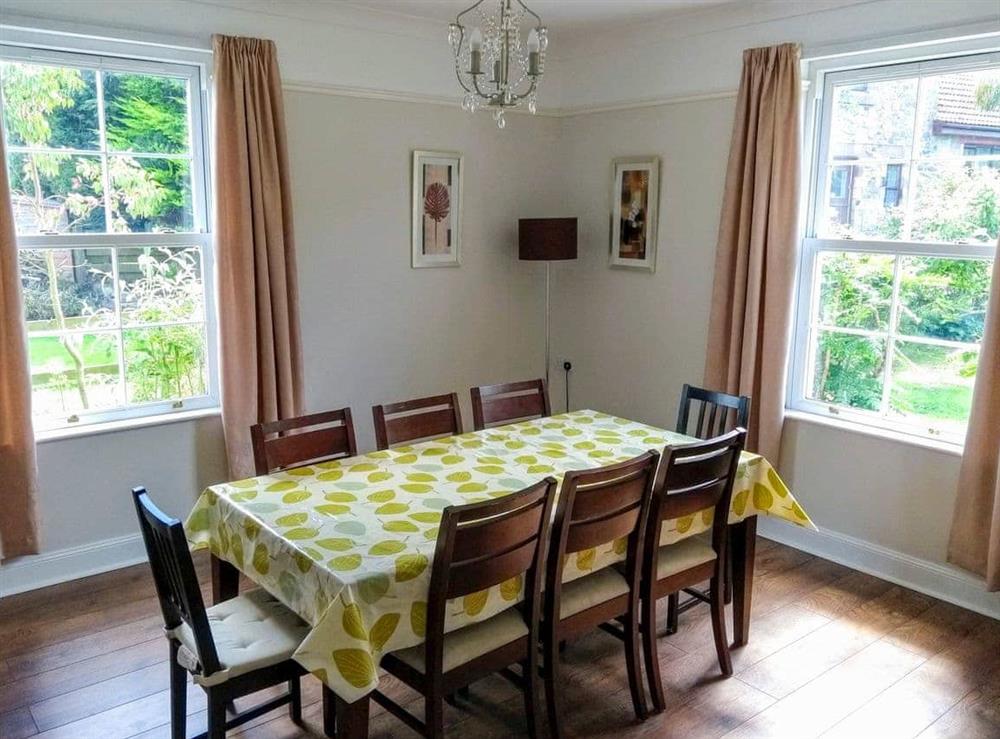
{"type": "Point", "coordinates": [437, 209]}
{"type": "Point", "coordinates": [635, 193]}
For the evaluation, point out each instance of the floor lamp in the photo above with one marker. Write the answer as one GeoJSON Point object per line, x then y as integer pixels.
{"type": "Point", "coordinates": [547, 240]}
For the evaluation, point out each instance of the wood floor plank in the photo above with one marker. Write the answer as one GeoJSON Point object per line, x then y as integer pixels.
{"type": "Point", "coordinates": [911, 705]}
{"type": "Point", "coordinates": [814, 708]}
{"type": "Point", "coordinates": [17, 724]}
{"type": "Point", "coordinates": [976, 716]}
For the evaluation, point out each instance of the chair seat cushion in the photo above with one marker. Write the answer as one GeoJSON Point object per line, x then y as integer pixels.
{"type": "Point", "coordinates": [591, 590]}
{"type": "Point", "coordinates": [683, 555]}
{"type": "Point", "coordinates": [466, 644]}
{"type": "Point", "coordinates": [251, 631]}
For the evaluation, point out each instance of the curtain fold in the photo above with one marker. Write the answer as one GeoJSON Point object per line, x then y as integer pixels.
{"type": "Point", "coordinates": [975, 529]}
{"type": "Point", "coordinates": [756, 254]}
{"type": "Point", "coordinates": [18, 479]}
{"type": "Point", "coordinates": [259, 339]}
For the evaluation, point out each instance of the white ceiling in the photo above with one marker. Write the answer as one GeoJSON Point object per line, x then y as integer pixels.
{"type": "Point", "coordinates": [571, 16]}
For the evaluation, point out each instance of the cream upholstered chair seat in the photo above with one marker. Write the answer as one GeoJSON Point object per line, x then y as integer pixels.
{"type": "Point", "coordinates": [250, 631]}
{"type": "Point", "coordinates": [683, 555]}
{"type": "Point", "coordinates": [590, 590]}
{"type": "Point", "coordinates": [466, 644]}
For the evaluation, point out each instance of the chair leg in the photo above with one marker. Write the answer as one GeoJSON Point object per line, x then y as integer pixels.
{"type": "Point", "coordinates": [718, 607]}
{"type": "Point", "coordinates": [729, 571]}
{"type": "Point", "coordinates": [673, 603]}
{"type": "Point", "coordinates": [216, 715]}
{"type": "Point", "coordinates": [529, 668]}
{"type": "Point", "coordinates": [633, 665]}
{"type": "Point", "coordinates": [178, 695]}
{"type": "Point", "coordinates": [434, 715]}
{"type": "Point", "coordinates": [552, 695]}
{"type": "Point", "coordinates": [652, 654]}
{"type": "Point", "coordinates": [295, 706]}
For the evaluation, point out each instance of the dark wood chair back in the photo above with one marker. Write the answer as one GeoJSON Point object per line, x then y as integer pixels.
{"type": "Point", "coordinates": [480, 545]}
{"type": "Point", "coordinates": [508, 402]}
{"type": "Point", "coordinates": [174, 576]}
{"type": "Point", "coordinates": [725, 412]}
{"type": "Point", "coordinates": [694, 477]}
{"type": "Point", "coordinates": [416, 420]}
{"type": "Point", "coordinates": [597, 507]}
{"type": "Point", "coordinates": [294, 442]}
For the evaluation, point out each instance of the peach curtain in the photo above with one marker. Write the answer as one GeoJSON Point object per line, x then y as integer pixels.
{"type": "Point", "coordinates": [18, 519]}
{"type": "Point", "coordinates": [259, 340]}
{"type": "Point", "coordinates": [975, 528]}
{"type": "Point", "coordinates": [756, 254]}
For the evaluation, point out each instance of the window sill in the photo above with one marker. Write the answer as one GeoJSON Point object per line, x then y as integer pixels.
{"type": "Point", "coordinates": [110, 427]}
{"type": "Point", "coordinates": [944, 447]}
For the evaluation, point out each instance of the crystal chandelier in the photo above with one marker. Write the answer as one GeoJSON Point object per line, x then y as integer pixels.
{"type": "Point", "coordinates": [494, 67]}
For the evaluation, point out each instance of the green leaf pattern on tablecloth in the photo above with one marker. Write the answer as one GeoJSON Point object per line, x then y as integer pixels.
{"type": "Point", "coordinates": [348, 544]}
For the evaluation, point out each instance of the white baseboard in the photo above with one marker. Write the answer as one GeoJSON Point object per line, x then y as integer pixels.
{"type": "Point", "coordinates": [51, 568]}
{"type": "Point", "coordinates": [942, 581]}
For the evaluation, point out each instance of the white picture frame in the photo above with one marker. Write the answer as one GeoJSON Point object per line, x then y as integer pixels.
{"type": "Point", "coordinates": [437, 209]}
{"type": "Point", "coordinates": [635, 199]}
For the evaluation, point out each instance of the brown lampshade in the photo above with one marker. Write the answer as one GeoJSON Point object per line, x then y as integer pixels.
{"type": "Point", "coordinates": [547, 239]}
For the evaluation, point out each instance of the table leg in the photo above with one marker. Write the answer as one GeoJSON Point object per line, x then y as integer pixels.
{"type": "Point", "coordinates": [345, 720]}
{"type": "Point", "coordinates": [225, 580]}
{"type": "Point", "coordinates": [744, 543]}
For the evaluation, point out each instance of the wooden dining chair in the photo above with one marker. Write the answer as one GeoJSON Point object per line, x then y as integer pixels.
{"type": "Point", "coordinates": [232, 649]}
{"type": "Point", "coordinates": [493, 405]}
{"type": "Point", "coordinates": [597, 507]}
{"type": "Point", "coordinates": [692, 477]}
{"type": "Point", "coordinates": [293, 442]}
{"type": "Point", "coordinates": [725, 413]}
{"type": "Point", "coordinates": [416, 420]}
{"type": "Point", "coordinates": [479, 546]}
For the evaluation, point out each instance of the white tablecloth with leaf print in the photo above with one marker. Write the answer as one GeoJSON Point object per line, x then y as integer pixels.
{"type": "Point", "coordinates": [347, 544]}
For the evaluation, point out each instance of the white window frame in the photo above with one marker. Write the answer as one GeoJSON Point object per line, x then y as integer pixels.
{"type": "Point", "coordinates": [41, 47]}
{"type": "Point", "coordinates": [822, 74]}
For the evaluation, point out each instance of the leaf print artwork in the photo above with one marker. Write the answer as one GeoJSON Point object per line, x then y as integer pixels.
{"type": "Point", "coordinates": [437, 205]}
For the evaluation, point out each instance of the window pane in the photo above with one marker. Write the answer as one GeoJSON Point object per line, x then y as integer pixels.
{"type": "Point", "coordinates": [957, 110]}
{"type": "Point", "coordinates": [68, 198]}
{"type": "Point", "coordinates": [932, 385]}
{"type": "Point", "coordinates": [146, 113]}
{"type": "Point", "coordinates": [50, 107]}
{"type": "Point", "coordinates": [848, 370]}
{"type": "Point", "coordinates": [150, 194]}
{"type": "Point", "coordinates": [84, 295]}
{"type": "Point", "coordinates": [873, 120]}
{"type": "Point", "coordinates": [165, 363]}
{"type": "Point", "coordinates": [855, 290]}
{"type": "Point", "coordinates": [160, 285]}
{"type": "Point", "coordinates": [957, 202]}
{"type": "Point", "coordinates": [944, 298]}
{"type": "Point", "coordinates": [73, 374]}
{"type": "Point", "coordinates": [864, 201]}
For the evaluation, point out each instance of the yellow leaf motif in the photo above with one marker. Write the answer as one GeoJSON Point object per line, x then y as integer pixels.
{"type": "Point", "coordinates": [459, 477]}
{"type": "Point", "coordinates": [281, 486]}
{"type": "Point", "coordinates": [352, 622]}
{"type": "Point", "coordinates": [332, 509]}
{"type": "Point", "coordinates": [451, 459]}
{"type": "Point", "coordinates": [400, 526]}
{"type": "Point", "coordinates": [339, 497]}
{"type": "Point", "coordinates": [434, 452]}
{"type": "Point", "coordinates": [762, 498]}
{"type": "Point", "coordinates": [300, 472]}
{"type": "Point", "coordinates": [740, 502]}
{"type": "Point", "coordinates": [620, 546]}
{"type": "Point", "coordinates": [356, 666]}
{"type": "Point", "coordinates": [302, 533]}
{"type": "Point", "coordinates": [331, 476]}
{"type": "Point", "coordinates": [237, 550]}
{"type": "Point", "coordinates": [776, 483]}
{"type": "Point", "coordinates": [585, 559]}
{"type": "Point", "coordinates": [198, 521]}
{"type": "Point", "coordinates": [364, 467]}
{"type": "Point", "coordinates": [261, 560]}
{"type": "Point", "coordinates": [303, 562]}
{"type": "Point", "coordinates": [471, 487]}
{"type": "Point", "coordinates": [379, 476]}
{"type": "Point", "coordinates": [490, 460]}
{"type": "Point", "coordinates": [416, 487]}
{"type": "Point", "coordinates": [335, 545]}
{"type": "Point", "coordinates": [426, 516]}
{"type": "Point", "coordinates": [410, 566]}
{"type": "Point", "coordinates": [509, 589]}
{"type": "Point", "coordinates": [707, 515]}
{"type": "Point", "coordinates": [390, 509]}
{"type": "Point", "coordinates": [382, 630]}
{"type": "Point", "coordinates": [373, 587]}
{"type": "Point", "coordinates": [346, 562]}
{"type": "Point", "coordinates": [799, 513]}
{"type": "Point", "coordinates": [406, 458]}
{"type": "Point", "coordinates": [418, 618]}
{"type": "Point", "coordinates": [526, 459]}
{"type": "Point", "coordinates": [385, 548]}
{"type": "Point", "coordinates": [490, 469]}
{"type": "Point", "coordinates": [296, 496]}
{"type": "Point", "coordinates": [251, 528]}
{"type": "Point", "coordinates": [474, 603]}
{"type": "Point", "coordinates": [540, 469]}
{"type": "Point", "coordinates": [382, 496]}
{"type": "Point", "coordinates": [421, 477]}
{"type": "Point", "coordinates": [293, 519]}
{"type": "Point", "coordinates": [683, 524]}
{"type": "Point", "coordinates": [431, 534]}
{"type": "Point", "coordinates": [585, 445]}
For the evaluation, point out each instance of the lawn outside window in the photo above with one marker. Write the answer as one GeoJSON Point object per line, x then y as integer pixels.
{"type": "Point", "coordinates": [106, 160]}
{"type": "Point", "coordinates": [903, 221]}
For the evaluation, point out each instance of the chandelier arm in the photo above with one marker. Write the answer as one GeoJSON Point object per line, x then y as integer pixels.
{"type": "Point", "coordinates": [472, 7]}
{"type": "Point", "coordinates": [529, 11]}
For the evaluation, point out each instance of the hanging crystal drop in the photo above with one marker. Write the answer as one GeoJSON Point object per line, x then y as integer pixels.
{"type": "Point", "coordinates": [543, 38]}
{"type": "Point", "coordinates": [454, 36]}
{"type": "Point", "coordinates": [467, 102]}
{"type": "Point", "coordinates": [532, 104]}
{"type": "Point", "coordinates": [501, 121]}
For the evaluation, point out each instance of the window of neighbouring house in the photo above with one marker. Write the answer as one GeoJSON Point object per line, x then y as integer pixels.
{"type": "Point", "coordinates": [105, 157]}
{"type": "Point", "coordinates": [903, 222]}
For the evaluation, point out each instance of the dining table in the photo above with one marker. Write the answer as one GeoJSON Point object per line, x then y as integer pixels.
{"type": "Point", "coordinates": [347, 544]}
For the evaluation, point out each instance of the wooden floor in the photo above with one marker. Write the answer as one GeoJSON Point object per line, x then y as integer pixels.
{"type": "Point", "coordinates": [832, 653]}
